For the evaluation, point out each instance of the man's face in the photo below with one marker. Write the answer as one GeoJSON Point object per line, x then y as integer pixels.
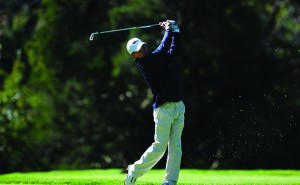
{"type": "Point", "coordinates": [141, 53]}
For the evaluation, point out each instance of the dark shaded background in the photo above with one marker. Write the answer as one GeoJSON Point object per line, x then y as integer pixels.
{"type": "Point", "coordinates": [68, 103]}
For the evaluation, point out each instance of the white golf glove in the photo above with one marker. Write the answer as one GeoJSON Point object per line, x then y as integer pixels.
{"type": "Point", "coordinates": [173, 25]}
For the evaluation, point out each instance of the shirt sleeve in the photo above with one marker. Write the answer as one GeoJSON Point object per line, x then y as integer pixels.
{"type": "Point", "coordinates": [168, 44]}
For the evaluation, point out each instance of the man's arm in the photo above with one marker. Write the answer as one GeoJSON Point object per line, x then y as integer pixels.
{"type": "Point", "coordinates": [169, 42]}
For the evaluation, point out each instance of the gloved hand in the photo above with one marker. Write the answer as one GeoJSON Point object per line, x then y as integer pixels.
{"type": "Point", "coordinates": [173, 26]}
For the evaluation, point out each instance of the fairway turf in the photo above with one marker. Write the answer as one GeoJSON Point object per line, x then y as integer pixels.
{"type": "Point", "coordinates": [155, 177]}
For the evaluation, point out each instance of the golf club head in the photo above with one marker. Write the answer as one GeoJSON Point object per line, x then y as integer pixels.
{"type": "Point", "coordinates": [92, 36]}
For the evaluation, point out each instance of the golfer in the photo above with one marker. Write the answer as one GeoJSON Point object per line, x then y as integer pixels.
{"type": "Point", "coordinates": [158, 70]}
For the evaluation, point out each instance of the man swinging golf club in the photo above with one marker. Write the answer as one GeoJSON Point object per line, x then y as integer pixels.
{"type": "Point", "coordinates": [158, 70]}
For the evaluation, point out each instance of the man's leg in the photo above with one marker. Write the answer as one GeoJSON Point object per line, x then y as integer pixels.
{"type": "Point", "coordinates": [174, 148]}
{"type": "Point", "coordinates": [163, 119]}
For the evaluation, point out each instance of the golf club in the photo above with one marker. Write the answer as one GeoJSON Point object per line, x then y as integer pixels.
{"type": "Point", "coordinates": [122, 29]}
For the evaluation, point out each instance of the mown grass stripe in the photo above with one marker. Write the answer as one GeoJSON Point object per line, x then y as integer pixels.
{"type": "Point", "coordinates": [155, 177]}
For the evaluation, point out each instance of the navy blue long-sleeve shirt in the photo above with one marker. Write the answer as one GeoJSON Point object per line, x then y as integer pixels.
{"type": "Point", "coordinates": [158, 70]}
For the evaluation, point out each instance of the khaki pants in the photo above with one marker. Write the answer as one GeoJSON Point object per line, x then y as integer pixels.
{"type": "Point", "coordinates": [169, 123]}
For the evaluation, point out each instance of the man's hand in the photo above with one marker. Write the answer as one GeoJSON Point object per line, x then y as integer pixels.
{"type": "Point", "coordinates": [170, 25]}
{"type": "Point", "coordinates": [165, 25]}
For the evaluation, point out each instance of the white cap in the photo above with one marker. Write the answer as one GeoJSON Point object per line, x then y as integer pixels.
{"type": "Point", "coordinates": [134, 45]}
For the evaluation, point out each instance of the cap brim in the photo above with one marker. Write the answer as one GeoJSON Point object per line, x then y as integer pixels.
{"type": "Point", "coordinates": [139, 46]}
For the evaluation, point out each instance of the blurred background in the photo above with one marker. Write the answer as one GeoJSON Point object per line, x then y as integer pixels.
{"type": "Point", "coordinates": [69, 103]}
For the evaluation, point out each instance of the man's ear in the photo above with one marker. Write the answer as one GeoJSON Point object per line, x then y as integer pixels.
{"type": "Point", "coordinates": [144, 47]}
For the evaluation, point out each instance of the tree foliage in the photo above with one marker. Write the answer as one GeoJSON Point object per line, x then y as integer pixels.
{"type": "Point", "coordinates": [68, 103]}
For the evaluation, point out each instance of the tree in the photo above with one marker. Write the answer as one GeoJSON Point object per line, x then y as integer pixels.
{"type": "Point", "coordinates": [68, 103]}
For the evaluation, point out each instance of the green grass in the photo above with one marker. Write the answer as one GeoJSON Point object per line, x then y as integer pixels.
{"type": "Point", "coordinates": [155, 177]}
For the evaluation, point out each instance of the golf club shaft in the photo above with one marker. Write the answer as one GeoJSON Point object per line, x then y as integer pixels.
{"type": "Point", "coordinates": [122, 29]}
